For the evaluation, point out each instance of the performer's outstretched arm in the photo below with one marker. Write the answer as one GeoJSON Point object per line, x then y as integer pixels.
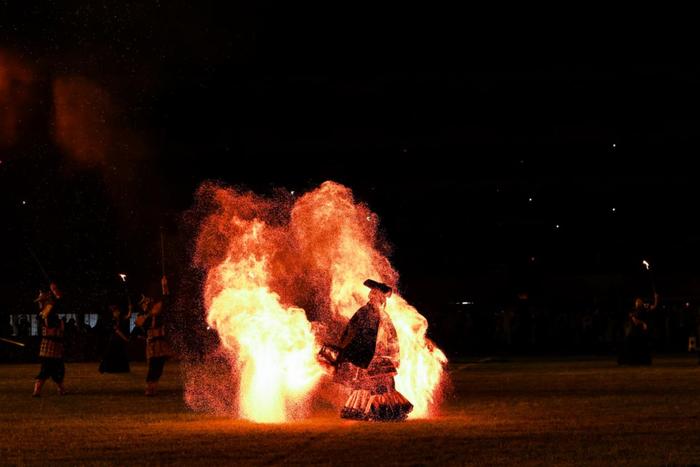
{"type": "Point", "coordinates": [655, 303]}
{"type": "Point", "coordinates": [349, 334]}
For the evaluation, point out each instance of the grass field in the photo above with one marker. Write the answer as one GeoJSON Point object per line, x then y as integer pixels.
{"type": "Point", "coordinates": [520, 412]}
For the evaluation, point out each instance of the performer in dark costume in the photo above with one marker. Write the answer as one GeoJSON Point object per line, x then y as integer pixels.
{"type": "Point", "coordinates": [637, 349]}
{"type": "Point", "coordinates": [157, 348]}
{"type": "Point", "coordinates": [51, 350]}
{"type": "Point", "coordinates": [116, 359]}
{"type": "Point", "coordinates": [367, 360]}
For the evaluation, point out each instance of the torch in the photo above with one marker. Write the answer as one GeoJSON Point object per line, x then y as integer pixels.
{"type": "Point", "coordinates": [655, 297]}
{"type": "Point", "coordinates": [646, 264]}
{"type": "Point", "coordinates": [162, 251]}
{"type": "Point", "coordinates": [38, 263]}
{"type": "Point", "coordinates": [10, 341]}
{"type": "Point", "coordinates": [126, 289]}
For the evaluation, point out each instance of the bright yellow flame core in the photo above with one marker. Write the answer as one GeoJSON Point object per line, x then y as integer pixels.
{"type": "Point", "coordinates": [274, 345]}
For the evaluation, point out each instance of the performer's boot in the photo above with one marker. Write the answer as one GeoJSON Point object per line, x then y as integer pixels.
{"type": "Point", "coordinates": [61, 389]}
{"type": "Point", "coordinates": [37, 388]}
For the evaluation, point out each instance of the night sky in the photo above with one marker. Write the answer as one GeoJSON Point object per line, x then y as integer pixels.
{"type": "Point", "coordinates": [496, 165]}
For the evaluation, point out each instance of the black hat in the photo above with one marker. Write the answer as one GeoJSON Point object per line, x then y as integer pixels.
{"type": "Point", "coordinates": [372, 284]}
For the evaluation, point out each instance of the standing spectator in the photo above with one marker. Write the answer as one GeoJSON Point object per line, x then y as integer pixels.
{"type": "Point", "coordinates": [116, 359]}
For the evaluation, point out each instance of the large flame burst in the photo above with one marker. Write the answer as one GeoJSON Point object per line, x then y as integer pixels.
{"type": "Point", "coordinates": [267, 260]}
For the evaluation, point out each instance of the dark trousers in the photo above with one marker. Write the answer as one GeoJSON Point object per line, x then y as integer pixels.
{"type": "Point", "coordinates": [155, 369]}
{"type": "Point", "coordinates": [636, 350]}
{"type": "Point", "coordinates": [52, 368]}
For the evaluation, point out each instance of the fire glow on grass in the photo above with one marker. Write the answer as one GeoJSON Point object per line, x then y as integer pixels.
{"type": "Point", "coordinates": [264, 259]}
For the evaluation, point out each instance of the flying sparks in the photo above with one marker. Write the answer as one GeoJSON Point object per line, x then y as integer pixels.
{"type": "Point", "coordinates": [264, 258]}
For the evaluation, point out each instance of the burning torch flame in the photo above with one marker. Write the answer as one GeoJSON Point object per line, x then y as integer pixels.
{"type": "Point", "coordinates": [646, 264]}
{"type": "Point", "coordinates": [123, 276]}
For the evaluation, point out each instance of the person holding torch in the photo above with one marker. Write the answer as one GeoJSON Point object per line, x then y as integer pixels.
{"type": "Point", "coordinates": [51, 350]}
{"type": "Point", "coordinates": [637, 348]}
{"type": "Point", "coordinates": [152, 321]}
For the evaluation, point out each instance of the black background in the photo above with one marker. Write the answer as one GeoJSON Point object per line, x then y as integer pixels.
{"type": "Point", "coordinates": [445, 123]}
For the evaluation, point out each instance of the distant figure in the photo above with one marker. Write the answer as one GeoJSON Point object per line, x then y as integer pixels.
{"type": "Point", "coordinates": [102, 331]}
{"type": "Point", "coordinates": [23, 326]}
{"type": "Point", "coordinates": [51, 350]}
{"type": "Point", "coordinates": [116, 359]}
{"type": "Point", "coordinates": [637, 349]}
{"type": "Point", "coordinates": [5, 326]}
{"type": "Point", "coordinates": [152, 320]}
{"type": "Point", "coordinates": [367, 360]}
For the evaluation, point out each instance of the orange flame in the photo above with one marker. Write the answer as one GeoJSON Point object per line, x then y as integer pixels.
{"type": "Point", "coordinates": [273, 345]}
{"type": "Point", "coordinates": [339, 236]}
{"type": "Point", "coordinates": [265, 256]}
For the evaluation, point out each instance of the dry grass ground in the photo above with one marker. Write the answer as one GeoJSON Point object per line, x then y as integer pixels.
{"type": "Point", "coordinates": [515, 413]}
